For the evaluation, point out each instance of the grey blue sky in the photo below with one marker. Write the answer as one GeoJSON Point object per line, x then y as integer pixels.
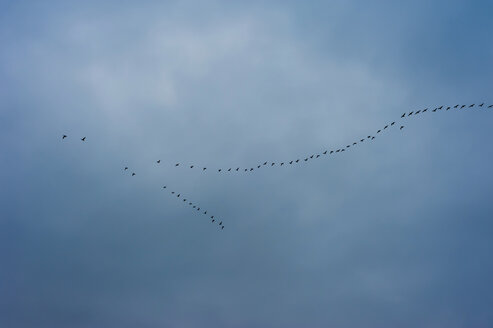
{"type": "Point", "coordinates": [397, 233]}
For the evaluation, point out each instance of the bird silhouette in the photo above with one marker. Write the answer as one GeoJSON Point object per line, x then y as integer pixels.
{"type": "Point", "coordinates": [126, 168]}
{"type": "Point", "coordinates": [172, 192]}
{"type": "Point", "coordinates": [64, 136]}
{"type": "Point", "coordinates": [403, 115]}
{"type": "Point", "coordinates": [481, 105]}
{"type": "Point", "coordinates": [83, 139]}
{"type": "Point", "coordinates": [448, 107]}
{"type": "Point", "coordinates": [434, 110]}
{"type": "Point", "coordinates": [372, 138]}
{"type": "Point", "coordinates": [265, 163]}
{"type": "Point", "coordinates": [213, 220]}
{"type": "Point", "coordinates": [177, 164]}
{"type": "Point", "coordinates": [306, 159]}
{"type": "Point", "coordinates": [472, 105]}
{"type": "Point", "coordinates": [385, 127]}
{"type": "Point", "coordinates": [258, 166]}
{"type": "Point", "coordinates": [411, 113]}
{"type": "Point", "coordinates": [190, 203]}
{"type": "Point", "coordinates": [273, 164]}
{"type": "Point", "coordinates": [251, 169]}
{"type": "Point", "coordinates": [348, 146]}
{"type": "Point", "coordinates": [184, 199]}
{"type": "Point", "coordinates": [133, 174]}
{"type": "Point", "coordinates": [490, 106]}
{"type": "Point", "coordinates": [221, 223]}
{"type": "Point", "coordinates": [297, 160]}
{"type": "Point", "coordinates": [178, 195]}
{"type": "Point", "coordinates": [237, 168]}
{"type": "Point", "coordinates": [212, 216]}
{"type": "Point", "coordinates": [222, 227]}
{"type": "Point", "coordinates": [379, 131]}
{"type": "Point", "coordinates": [205, 212]}
{"type": "Point", "coordinates": [417, 112]}
{"type": "Point", "coordinates": [343, 149]}
{"type": "Point", "coordinates": [246, 170]}
{"type": "Point", "coordinates": [283, 163]}
{"type": "Point", "coordinates": [191, 166]}
{"type": "Point", "coordinates": [204, 169]}
{"type": "Point", "coordinates": [392, 123]}
{"type": "Point", "coordinates": [193, 206]}
{"type": "Point", "coordinates": [424, 110]}
{"type": "Point", "coordinates": [354, 143]}
{"type": "Point", "coordinates": [315, 157]}
{"type": "Point", "coordinates": [219, 170]}
{"type": "Point", "coordinates": [164, 187]}
{"type": "Point", "coordinates": [361, 140]}
{"type": "Point", "coordinates": [338, 150]}
{"type": "Point", "coordinates": [158, 161]}
{"type": "Point", "coordinates": [440, 107]}
{"type": "Point", "coordinates": [325, 153]}
{"type": "Point", "coordinates": [290, 162]}
{"type": "Point", "coordinates": [331, 151]}
{"type": "Point", "coordinates": [229, 169]}
{"type": "Point", "coordinates": [369, 137]}
{"type": "Point", "coordinates": [402, 127]}
{"type": "Point", "coordinates": [311, 156]}
{"type": "Point", "coordinates": [462, 106]}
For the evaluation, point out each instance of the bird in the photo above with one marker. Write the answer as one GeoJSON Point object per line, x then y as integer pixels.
{"type": "Point", "coordinates": [325, 152]}
{"type": "Point", "coordinates": [369, 137]}
{"type": "Point", "coordinates": [265, 163]}
{"type": "Point", "coordinates": [361, 140]}
{"type": "Point", "coordinates": [434, 110]}
{"type": "Point", "coordinates": [424, 110]}
{"type": "Point", "coordinates": [222, 227]}
{"type": "Point", "coordinates": [402, 127]}
{"type": "Point", "coordinates": [385, 127]}
{"type": "Point", "coordinates": [158, 161]}
{"type": "Point", "coordinates": [462, 106]}
{"type": "Point", "coordinates": [177, 164]}
{"type": "Point", "coordinates": [193, 206]}
{"type": "Point", "coordinates": [331, 151]}
{"type": "Point", "coordinates": [221, 223]}
{"type": "Point", "coordinates": [173, 192]}
{"type": "Point", "coordinates": [246, 170]}
{"type": "Point", "coordinates": [237, 168]}
{"type": "Point", "coordinates": [354, 143]}
{"type": "Point", "coordinates": [343, 150]}
{"type": "Point", "coordinates": [297, 160]}
{"type": "Point", "coordinates": [372, 138]}
{"type": "Point", "coordinates": [338, 150]}
{"type": "Point", "coordinates": [204, 169]}
{"type": "Point", "coordinates": [198, 208]}
{"type": "Point", "coordinates": [417, 112]}
{"type": "Point", "coordinates": [311, 156]}
{"type": "Point", "coordinates": [290, 162]}
{"type": "Point", "coordinates": [392, 123]}
{"type": "Point", "coordinates": [315, 157]}
{"type": "Point", "coordinates": [212, 216]}
{"type": "Point", "coordinates": [133, 174]}
{"type": "Point", "coordinates": [219, 170]}
{"type": "Point", "coordinates": [403, 115]}
{"type": "Point", "coordinates": [481, 105]}
{"type": "Point", "coordinates": [83, 139]}
{"type": "Point", "coordinates": [251, 169]}
{"type": "Point", "coordinates": [184, 199]}
{"type": "Point", "coordinates": [448, 107]}
{"type": "Point", "coordinates": [306, 159]}
{"type": "Point", "coordinates": [213, 220]}
{"type": "Point", "coordinates": [490, 106]}
{"type": "Point", "coordinates": [190, 203]}
{"type": "Point", "coordinates": [283, 162]}
{"type": "Point", "coordinates": [126, 168]}
{"type": "Point", "coordinates": [258, 166]}
{"type": "Point", "coordinates": [411, 113]}
{"type": "Point", "coordinates": [348, 146]}
{"type": "Point", "coordinates": [178, 195]}
{"type": "Point", "coordinates": [472, 105]}
{"type": "Point", "coordinates": [229, 169]}
{"type": "Point", "coordinates": [379, 131]}
{"type": "Point", "coordinates": [440, 107]}
{"type": "Point", "coordinates": [64, 136]}
{"type": "Point", "coordinates": [164, 187]}
{"type": "Point", "coordinates": [272, 164]}
{"type": "Point", "coordinates": [205, 212]}
{"type": "Point", "coordinates": [191, 166]}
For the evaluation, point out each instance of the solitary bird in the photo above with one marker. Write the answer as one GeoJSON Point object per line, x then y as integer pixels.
{"type": "Point", "coordinates": [158, 161]}
{"type": "Point", "coordinates": [83, 139]}
{"type": "Point", "coordinates": [126, 168]}
{"type": "Point", "coordinates": [64, 136]}
{"type": "Point", "coordinates": [402, 127]}
{"type": "Point", "coordinates": [133, 174]}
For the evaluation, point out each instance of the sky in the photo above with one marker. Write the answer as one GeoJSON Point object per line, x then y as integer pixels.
{"type": "Point", "coordinates": [396, 232]}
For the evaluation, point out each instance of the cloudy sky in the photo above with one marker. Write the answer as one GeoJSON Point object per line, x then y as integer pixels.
{"type": "Point", "coordinates": [397, 232]}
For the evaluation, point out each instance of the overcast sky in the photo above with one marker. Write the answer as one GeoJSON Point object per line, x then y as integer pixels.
{"type": "Point", "coordinates": [397, 232]}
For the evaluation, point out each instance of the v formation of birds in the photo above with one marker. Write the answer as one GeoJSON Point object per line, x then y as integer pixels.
{"type": "Point", "coordinates": [324, 153]}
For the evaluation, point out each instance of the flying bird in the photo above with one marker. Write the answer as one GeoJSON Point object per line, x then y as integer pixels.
{"type": "Point", "coordinates": [133, 174]}
{"type": "Point", "coordinates": [272, 164]}
{"type": "Point", "coordinates": [315, 156]}
{"type": "Point", "coordinates": [471, 105]}
{"type": "Point", "coordinates": [385, 127]}
{"type": "Point", "coordinates": [481, 105]}
{"type": "Point", "coordinates": [354, 143]}
{"type": "Point", "coordinates": [283, 163]}
{"type": "Point", "coordinates": [306, 159]}
{"type": "Point", "coordinates": [462, 106]}
{"type": "Point", "coordinates": [379, 131]}
{"type": "Point", "coordinates": [229, 169]}
{"type": "Point", "coordinates": [251, 169]}
{"type": "Point", "coordinates": [403, 115]}
{"type": "Point", "coordinates": [64, 136]}
{"type": "Point", "coordinates": [424, 110]}
{"type": "Point", "coordinates": [440, 107]}
{"type": "Point", "coordinates": [325, 152]}
{"type": "Point", "coordinates": [417, 112]}
{"type": "Point", "coordinates": [164, 187]}
{"type": "Point", "coordinates": [158, 161]}
{"type": "Point", "coordinates": [434, 110]}
{"type": "Point", "coordinates": [221, 223]}
{"type": "Point", "coordinates": [237, 168]}
{"type": "Point", "coordinates": [311, 156]}
{"type": "Point", "coordinates": [246, 170]}
{"type": "Point", "coordinates": [222, 227]}
{"type": "Point", "coordinates": [331, 151]}
{"type": "Point", "coordinates": [392, 123]}
{"type": "Point", "coordinates": [173, 192]}
{"type": "Point", "coordinates": [178, 195]}
{"type": "Point", "coordinates": [258, 166]}
{"type": "Point", "coordinates": [205, 212]}
{"type": "Point", "coordinates": [204, 169]}
{"type": "Point", "coordinates": [361, 140]}
{"type": "Point", "coordinates": [83, 139]}
{"type": "Point", "coordinates": [411, 113]}
{"type": "Point", "coordinates": [177, 164]}
{"type": "Point", "coordinates": [290, 162]}
{"type": "Point", "coordinates": [191, 166]}
{"type": "Point", "coordinates": [297, 160]}
{"type": "Point", "coordinates": [213, 220]}
{"type": "Point", "coordinates": [371, 139]}
{"type": "Point", "coordinates": [490, 106]}
{"type": "Point", "coordinates": [126, 168]}
{"type": "Point", "coordinates": [265, 163]}
{"type": "Point", "coordinates": [456, 106]}
{"type": "Point", "coordinates": [338, 150]}
{"type": "Point", "coordinates": [402, 127]}
{"type": "Point", "coordinates": [219, 170]}
{"type": "Point", "coordinates": [448, 107]}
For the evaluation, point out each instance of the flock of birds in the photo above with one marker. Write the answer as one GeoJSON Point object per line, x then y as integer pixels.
{"type": "Point", "coordinates": [307, 158]}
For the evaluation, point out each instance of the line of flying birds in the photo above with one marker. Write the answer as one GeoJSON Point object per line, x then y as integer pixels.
{"type": "Point", "coordinates": [313, 156]}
